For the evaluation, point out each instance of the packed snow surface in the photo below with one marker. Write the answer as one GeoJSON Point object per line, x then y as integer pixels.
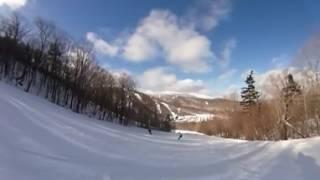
{"type": "Point", "coordinates": [39, 140]}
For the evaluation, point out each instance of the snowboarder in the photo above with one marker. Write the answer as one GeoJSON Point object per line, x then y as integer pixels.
{"type": "Point", "coordinates": [180, 136]}
{"type": "Point", "coordinates": [150, 132]}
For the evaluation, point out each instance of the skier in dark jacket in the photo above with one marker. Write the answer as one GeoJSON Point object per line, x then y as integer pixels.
{"type": "Point", "coordinates": [149, 127]}
{"type": "Point", "coordinates": [180, 136]}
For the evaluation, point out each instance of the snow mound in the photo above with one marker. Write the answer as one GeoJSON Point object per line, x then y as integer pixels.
{"type": "Point", "coordinates": [39, 140]}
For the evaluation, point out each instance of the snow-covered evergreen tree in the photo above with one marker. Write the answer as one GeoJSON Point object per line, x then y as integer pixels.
{"type": "Point", "coordinates": [249, 94]}
{"type": "Point", "coordinates": [291, 89]}
{"type": "Point", "coordinates": [290, 92]}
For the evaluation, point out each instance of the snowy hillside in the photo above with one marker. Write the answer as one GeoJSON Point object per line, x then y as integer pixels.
{"type": "Point", "coordinates": [39, 140]}
{"type": "Point", "coordinates": [186, 107]}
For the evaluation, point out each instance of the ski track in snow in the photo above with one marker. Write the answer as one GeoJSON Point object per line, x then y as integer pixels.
{"type": "Point", "coordinates": [168, 108]}
{"type": "Point", "coordinates": [138, 96]}
{"type": "Point", "coordinates": [158, 108]}
{"type": "Point", "coordinates": [40, 140]}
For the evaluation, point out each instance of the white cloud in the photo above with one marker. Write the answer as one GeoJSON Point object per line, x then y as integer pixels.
{"type": "Point", "coordinates": [117, 72]}
{"type": "Point", "coordinates": [13, 4]}
{"type": "Point", "coordinates": [228, 74]}
{"type": "Point", "coordinates": [180, 45]}
{"type": "Point", "coordinates": [139, 48]}
{"type": "Point", "coordinates": [102, 46]}
{"type": "Point", "coordinates": [160, 79]}
{"type": "Point", "coordinates": [270, 82]}
{"type": "Point", "coordinates": [207, 14]}
{"type": "Point", "coordinates": [227, 52]}
{"type": "Point", "coordinates": [164, 35]}
{"type": "Point", "coordinates": [120, 72]}
{"type": "Point", "coordinates": [232, 92]}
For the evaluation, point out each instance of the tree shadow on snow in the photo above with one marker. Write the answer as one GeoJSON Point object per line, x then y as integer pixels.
{"type": "Point", "coordinates": [309, 168]}
{"type": "Point", "coordinates": [288, 166]}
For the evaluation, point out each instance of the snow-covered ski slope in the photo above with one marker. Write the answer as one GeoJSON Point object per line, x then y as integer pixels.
{"type": "Point", "coordinates": [42, 141]}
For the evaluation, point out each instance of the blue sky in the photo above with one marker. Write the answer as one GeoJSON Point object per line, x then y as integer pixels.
{"type": "Point", "coordinates": [199, 46]}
